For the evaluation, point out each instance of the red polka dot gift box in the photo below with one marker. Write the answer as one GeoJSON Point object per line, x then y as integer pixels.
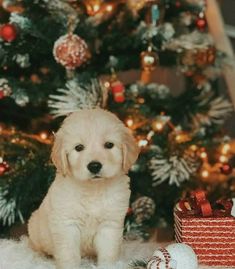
{"type": "Point", "coordinates": [209, 230]}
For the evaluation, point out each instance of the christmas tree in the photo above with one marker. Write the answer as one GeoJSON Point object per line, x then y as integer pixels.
{"type": "Point", "coordinates": [154, 63]}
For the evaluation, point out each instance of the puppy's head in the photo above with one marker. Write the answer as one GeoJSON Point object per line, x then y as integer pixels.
{"type": "Point", "coordinates": [93, 144]}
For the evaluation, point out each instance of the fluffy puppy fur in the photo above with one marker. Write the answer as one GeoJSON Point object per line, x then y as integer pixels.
{"type": "Point", "coordinates": [84, 209]}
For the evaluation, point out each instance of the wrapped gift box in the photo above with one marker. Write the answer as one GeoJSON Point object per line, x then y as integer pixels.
{"type": "Point", "coordinates": [211, 237]}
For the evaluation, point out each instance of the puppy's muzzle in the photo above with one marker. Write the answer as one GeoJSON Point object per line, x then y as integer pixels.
{"type": "Point", "coordinates": [94, 167]}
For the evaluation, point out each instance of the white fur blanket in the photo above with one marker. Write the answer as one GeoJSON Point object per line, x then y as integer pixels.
{"type": "Point", "coordinates": [17, 255]}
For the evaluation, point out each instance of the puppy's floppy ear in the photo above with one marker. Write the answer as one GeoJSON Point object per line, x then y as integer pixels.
{"type": "Point", "coordinates": [58, 154]}
{"type": "Point", "coordinates": [130, 150]}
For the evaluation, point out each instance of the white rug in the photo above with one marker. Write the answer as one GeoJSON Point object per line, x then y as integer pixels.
{"type": "Point", "coordinates": [17, 255]}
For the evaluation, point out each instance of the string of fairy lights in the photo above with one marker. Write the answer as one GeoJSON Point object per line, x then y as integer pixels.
{"type": "Point", "coordinates": [15, 139]}
{"type": "Point", "coordinates": [222, 154]}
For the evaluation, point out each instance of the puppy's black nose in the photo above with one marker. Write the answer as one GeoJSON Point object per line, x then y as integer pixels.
{"type": "Point", "coordinates": [94, 167]}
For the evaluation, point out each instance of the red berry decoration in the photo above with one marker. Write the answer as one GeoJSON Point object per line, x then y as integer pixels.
{"type": "Point", "coordinates": [226, 169]}
{"type": "Point", "coordinates": [201, 23]}
{"type": "Point", "coordinates": [8, 32]}
{"type": "Point", "coordinates": [71, 51]}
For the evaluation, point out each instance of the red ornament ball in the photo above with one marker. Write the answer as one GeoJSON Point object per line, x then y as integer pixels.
{"type": "Point", "coordinates": [8, 32]}
{"type": "Point", "coordinates": [71, 51]}
{"type": "Point", "coordinates": [4, 167]}
{"type": "Point", "coordinates": [201, 23]}
{"type": "Point", "coordinates": [226, 169]}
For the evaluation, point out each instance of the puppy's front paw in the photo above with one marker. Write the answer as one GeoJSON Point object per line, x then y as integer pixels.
{"type": "Point", "coordinates": [108, 242]}
{"type": "Point", "coordinates": [66, 241]}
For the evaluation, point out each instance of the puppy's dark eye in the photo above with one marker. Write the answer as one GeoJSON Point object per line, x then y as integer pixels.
{"type": "Point", "coordinates": [79, 147]}
{"type": "Point", "coordinates": [108, 145]}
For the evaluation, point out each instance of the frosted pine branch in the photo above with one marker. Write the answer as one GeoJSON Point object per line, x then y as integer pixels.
{"type": "Point", "coordinates": [195, 40]}
{"type": "Point", "coordinates": [176, 169]}
{"type": "Point", "coordinates": [218, 110]}
{"type": "Point", "coordinates": [21, 21]}
{"type": "Point", "coordinates": [7, 209]}
{"type": "Point", "coordinates": [77, 96]}
{"type": "Point", "coordinates": [61, 9]}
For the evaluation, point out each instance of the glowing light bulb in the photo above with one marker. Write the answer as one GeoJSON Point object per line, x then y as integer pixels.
{"type": "Point", "coordinates": [223, 159]}
{"type": "Point", "coordinates": [109, 8]}
{"type": "Point", "coordinates": [129, 122]}
{"type": "Point", "coordinates": [178, 138]}
{"type": "Point", "coordinates": [205, 174]}
{"type": "Point", "coordinates": [203, 155]}
{"type": "Point", "coordinates": [226, 148]}
{"type": "Point", "coordinates": [201, 15]}
{"type": "Point", "coordinates": [194, 148]}
{"type": "Point", "coordinates": [159, 126]}
{"type": "Point", "coordinates": [43, 135]}
{"type": "Point", "coordinates": [96, 7]}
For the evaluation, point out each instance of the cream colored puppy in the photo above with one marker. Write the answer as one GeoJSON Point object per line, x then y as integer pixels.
{"type": "Point", "coordinates": [84, 209]}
